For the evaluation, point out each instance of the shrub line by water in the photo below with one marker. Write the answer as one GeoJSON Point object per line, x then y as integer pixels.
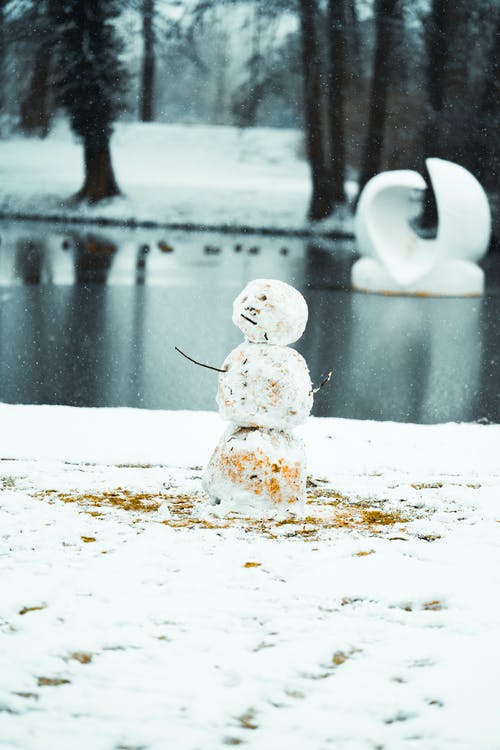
{"type": "Point", "coordinates": [188, 226]}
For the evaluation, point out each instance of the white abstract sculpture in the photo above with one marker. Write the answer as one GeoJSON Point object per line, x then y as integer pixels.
{"type": "Point", "coordinates": [396, 259]}
{"type": "Point", "coordinates": [264, 391]}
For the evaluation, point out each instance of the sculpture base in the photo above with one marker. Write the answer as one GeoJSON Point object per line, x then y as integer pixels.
{"type": "Point", "coordinates": [450, 278]}
{"type": "Point", "coordinates": [257, 472]}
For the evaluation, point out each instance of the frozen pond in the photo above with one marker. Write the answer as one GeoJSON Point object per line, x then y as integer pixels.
{"type": "Point", "coordinates": [90, 317]}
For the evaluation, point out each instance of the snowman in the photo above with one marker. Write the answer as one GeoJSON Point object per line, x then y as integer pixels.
{"type": "Point", "coordinates": [264, 392]}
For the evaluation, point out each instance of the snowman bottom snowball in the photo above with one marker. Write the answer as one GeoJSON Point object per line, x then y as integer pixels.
{"type": "Point", "coordinates": [257, 471]}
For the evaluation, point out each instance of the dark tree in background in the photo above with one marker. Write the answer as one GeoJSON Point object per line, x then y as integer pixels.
{"type": "Point", "coordinates": [436, 31]}
{"type": "Point", "coordinates": [489, 115]}
{"type": "Point", "coordinates": [148, 62]}
{"type": "Point", "coordinates": [385, 14]}
{"type": "Point", "coordinates": [246, 100]}
{"type": "Point", "coordinates": [268, 66]}
{"type": "Point", "coordinates": [321, 204]}
{"type": "Point", "coordinates": [90, 84]}
{"type": "Point", "coordinates": [461, 89]}
{"type": "Point", "coordinates": [38, 105]}
{"type": "Point", "coordinates": [375, 84]}
{"type": "Point", "coordinates": [3, 3]}
{"type": "Point", "coordinates": [336, 93]}
{"type": "Point", "coordinates": [439, 29]}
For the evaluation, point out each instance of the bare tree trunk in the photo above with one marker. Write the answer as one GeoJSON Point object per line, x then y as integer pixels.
{"type": "Point", "coordinates": [37, 108]}
{"type": "Point", "coordinates": [148, 62]}
{"type": "Point", "coordinates": [449, 101]}
{"type": "Point", "coordinates": [219, 65]}
{"type": "Point", "coordinates": [437, 39]}
{"type": "Point", "coordinates": [490, 99]}
{"type": "Point", "coordinates": [100, 180]}
{"type": "Point", "coordinates": [220, 98]}
{"type": "Point", "coordinates": [437, 52]}
{"type": "Point", "coordinates": [488, 157]}
{"type": "Point", "coordinates": [352, 32]}
{"type": "Point", "coordinates": [372, 154]}
{"type": "Point", "coordinates": [336, 92]}
{"type": "Point", "coordinates": [2, 53]}
{"type": "Point", "coordinates": [247, 98]}
{"type": "Point", "coordinates": [321, 204]}
{"type": "Point", "coordinates": [255, 69]}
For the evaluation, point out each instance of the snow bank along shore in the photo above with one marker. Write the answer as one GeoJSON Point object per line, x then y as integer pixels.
{"type": "Point", "coordinates": [207, 176]}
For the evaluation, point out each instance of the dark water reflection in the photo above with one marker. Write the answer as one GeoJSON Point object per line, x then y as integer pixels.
{"type": "Point", "coordinates": [91, 319]}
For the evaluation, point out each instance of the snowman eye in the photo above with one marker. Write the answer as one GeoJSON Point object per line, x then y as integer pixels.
{"type": "Point", "coordinates": [263, 298]}
{"type": "Point", "coordinates": [244, 299]}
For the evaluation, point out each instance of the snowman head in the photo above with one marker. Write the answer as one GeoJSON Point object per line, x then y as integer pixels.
{"type": "Point", "coordinates": [269, 311]}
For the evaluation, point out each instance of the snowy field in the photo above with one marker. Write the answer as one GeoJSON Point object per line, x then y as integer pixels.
{"type": "Point", "coordinates": [131, 617]}
{"type": "Point", "coordinates": [203, 175]}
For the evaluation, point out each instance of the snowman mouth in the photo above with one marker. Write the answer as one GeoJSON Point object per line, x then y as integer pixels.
{"type": "Point", "coordinates": [253, 322]}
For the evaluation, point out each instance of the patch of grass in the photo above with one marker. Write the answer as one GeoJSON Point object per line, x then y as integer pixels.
{"type": "Point", "coordinates": [37, 608]}
{"type": "Point", "coordinates": [52, 681]}
{"type": "Point", "coordinates": [327, 509]}
{"type": "Point", "coordinates": [340, 657]}
{"type": "Point", "coordinates": [349, 600]}
{"type": "Point", "coordinates": [380, 518]}
{"type": "Point", "coordinates": [365, 553]}
{"type": "Point", "coordinates": [82, 656]}
{"type": "Point", "coordinates": [247, 720]}
{"type": "Point", "coordinates": [325, 495]}
{"type": "Point", "coordinates": [433, 606]}
{"type": "Point", "coordinates": [315, 481]}
{"type": "Point", "coordinates": [137, 502]}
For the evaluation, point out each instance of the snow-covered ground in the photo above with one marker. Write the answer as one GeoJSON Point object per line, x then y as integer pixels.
{"type": "Point", "coordinates": [203, 175]}
{"type": "Point", "coordinates": [131, 617]}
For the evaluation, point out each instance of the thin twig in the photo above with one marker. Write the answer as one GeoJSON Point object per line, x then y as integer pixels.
{"type": "Point", "coordinates": [325, 380]}
{"type": "Point", "coordinates": [253, 322]}
{"type": "Point", "coordinates": [209, 367]}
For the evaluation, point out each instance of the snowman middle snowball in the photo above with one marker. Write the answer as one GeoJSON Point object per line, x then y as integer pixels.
{"type": "Point", "coordinates": [266, 389]}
